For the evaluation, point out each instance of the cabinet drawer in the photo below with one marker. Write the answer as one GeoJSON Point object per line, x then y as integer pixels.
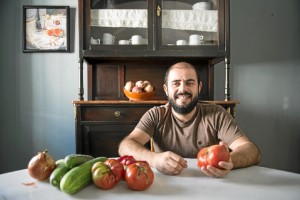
{"type": "Point", "coordinates": [113, 113]}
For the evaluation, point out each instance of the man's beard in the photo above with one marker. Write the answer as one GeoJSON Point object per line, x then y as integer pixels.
{"type": "Point", "coordinates": [185, 109]}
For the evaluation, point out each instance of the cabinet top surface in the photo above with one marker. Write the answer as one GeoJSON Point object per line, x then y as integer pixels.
{"type": "Point", "coordinates": [158, 102]}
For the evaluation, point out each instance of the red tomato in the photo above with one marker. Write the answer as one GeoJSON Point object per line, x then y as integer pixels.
{"type": "Point", "coordinates": [139, 175]}
{"type": "Point", "coordinates": [126, 160]}
{"type": "Point", "coordinates": [212, 155]}
{"type": "Point", "coordinates": [116, 167]}
{"type": "Point", "coordinates": [103, 176]}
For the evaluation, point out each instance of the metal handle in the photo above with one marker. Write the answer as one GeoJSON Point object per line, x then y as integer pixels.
{"type": "Point", "coordinates": [117, 113]}
{"type": "Point", "coordinates": [158, 10]}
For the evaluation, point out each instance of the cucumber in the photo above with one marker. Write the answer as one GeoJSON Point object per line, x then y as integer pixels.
{"type": "Point", "coordinates": [58, 173]}
{"type": "Point", "coordinates": [60, 161]}
{"type": "Point", "coordinates": [79, 177]}
{"type": "Point", "coordinates": [74, 160]}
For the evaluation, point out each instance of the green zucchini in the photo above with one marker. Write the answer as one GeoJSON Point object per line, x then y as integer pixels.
{"type": "Point", "coordinates": [79, 177]}
{"type": "Point", "coordinates": [74, 160]}
{"type": "Point", "coordinates": [58, 173]}
{"type": "Point", "coordinates": [60, 161]}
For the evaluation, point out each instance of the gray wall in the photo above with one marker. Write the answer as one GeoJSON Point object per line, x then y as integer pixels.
{"type": "Point", "coordinates": [265, 77]}
{"type": "Point", "coordinates": [37, 89]}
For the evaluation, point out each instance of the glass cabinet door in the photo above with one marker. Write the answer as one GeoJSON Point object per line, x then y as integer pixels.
{"type": "Point", "coordinates": [115, 23]}
{"type": "Point", "coordinates": [153, 27]}
{"type": "Point", "coordinates": [189, 23]}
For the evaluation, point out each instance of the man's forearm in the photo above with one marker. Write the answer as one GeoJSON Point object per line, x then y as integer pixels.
{"type": "Point", "coordinates": [131, 147]}
{"type": "Point", "coordinates": [246, 155]}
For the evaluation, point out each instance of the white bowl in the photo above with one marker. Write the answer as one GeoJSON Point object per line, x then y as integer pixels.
{"type": "Point", "coordinates": [202, 6]}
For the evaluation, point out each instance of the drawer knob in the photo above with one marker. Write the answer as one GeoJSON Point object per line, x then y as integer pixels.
{"type": "Point", "coordinates": [117, 113]}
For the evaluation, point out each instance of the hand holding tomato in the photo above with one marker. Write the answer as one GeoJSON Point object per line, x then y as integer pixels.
{"type": "Point", "coordinates": [139, 175]}
{"type": "Point", "coordinates": [212, 155]}
{"type": "Point", "coordinates": [215, 161]}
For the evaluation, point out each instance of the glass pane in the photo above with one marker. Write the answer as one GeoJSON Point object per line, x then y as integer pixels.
{"type": "Point", "coordinates": [119, 22]}
{"type": "Point", "coordinates": [190, 22]}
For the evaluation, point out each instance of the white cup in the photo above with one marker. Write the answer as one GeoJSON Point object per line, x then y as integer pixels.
{"type": "Point", "coordinates": [123, 42]}
{"type": "Point", "coordinates": [180, 42]}
{"type": "Point", "coordinates": [108, 38]}
{"type": "Point", "coordinates": [136, 40]}
{"type": "Point", "coordinates": [95, 41]}
{"type": "Point", "coordinates": [196, 39]}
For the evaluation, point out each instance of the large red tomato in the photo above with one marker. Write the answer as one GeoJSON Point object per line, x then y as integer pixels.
{"type": "Point", "coordinates": [139, 175]}
{"type": "Point", "coordinates": [116, 167]}
{"type": "Point", "coordinates": [212, 155]}
{"type": "Point", "coordinates": [103, 176]}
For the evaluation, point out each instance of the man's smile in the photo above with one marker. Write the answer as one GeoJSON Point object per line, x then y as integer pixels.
{"type": "Point", "coordinates": [183, 96]}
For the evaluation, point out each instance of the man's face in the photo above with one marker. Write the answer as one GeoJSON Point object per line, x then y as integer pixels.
{"type": "Point", "coordinates": [182, 89]}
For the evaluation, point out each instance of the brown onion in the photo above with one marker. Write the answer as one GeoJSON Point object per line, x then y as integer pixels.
{"type": "Point", "coordinates": [41, 166]}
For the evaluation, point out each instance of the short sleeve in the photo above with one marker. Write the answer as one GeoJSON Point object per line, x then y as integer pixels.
{"type": "Point", "coordinates": [149, 121]}
{"type": "Point", "coordinates": [227, 127]}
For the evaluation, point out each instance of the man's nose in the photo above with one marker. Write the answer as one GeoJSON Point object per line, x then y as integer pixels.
{"type": "Point", "coordinates": [182, 86]}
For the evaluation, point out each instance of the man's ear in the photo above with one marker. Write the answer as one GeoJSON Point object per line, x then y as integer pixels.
{"type": "Point", "coordinates": [200, 86]}
{"type": "Point", "coordinates": [165, 89]}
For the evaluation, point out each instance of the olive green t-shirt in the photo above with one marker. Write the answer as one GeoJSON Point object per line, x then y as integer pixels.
{"type": "Point", "coordinates": [210, 125]}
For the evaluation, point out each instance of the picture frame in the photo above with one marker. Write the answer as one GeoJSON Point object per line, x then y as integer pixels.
{"type": "Point", "coordinates": [46, 29]}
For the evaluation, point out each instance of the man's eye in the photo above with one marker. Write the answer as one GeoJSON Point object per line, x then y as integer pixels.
{"type": "Point", "coordinates": [190, 83]}
{"type": "Point", "coordinates": [175, 84]}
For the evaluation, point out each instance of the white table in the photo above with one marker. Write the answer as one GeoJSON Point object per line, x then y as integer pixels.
{"type": "Point", "coordinates": [249, 183]}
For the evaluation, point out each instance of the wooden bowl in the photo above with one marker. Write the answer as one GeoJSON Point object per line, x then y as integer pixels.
{"type": "Point", "coordinates": [132, 96]}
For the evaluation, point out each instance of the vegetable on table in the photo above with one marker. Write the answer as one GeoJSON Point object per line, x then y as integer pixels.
{"type": "Point", "coordinates": [79, 177]}
{"type": "Point", "coordinates": [139, 175]}
{"type": "Point", "coordinates": [102, 175]}
{"type": "Point", "coordinates": [41, 166]}
{"type": "Point", "coordinates": [116, 167]}
{"type": "Point", "coordinates": [212, 155]}
{"type": "Point", "coordinates": [58, 173]}
{"type": "Point", "coordinates": [76, 159]}
{"type": "Point", "coordinates": [126, 160]}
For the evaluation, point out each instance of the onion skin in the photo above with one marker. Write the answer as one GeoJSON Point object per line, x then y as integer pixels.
{"type": "Point", "coordinates": [41, 166]}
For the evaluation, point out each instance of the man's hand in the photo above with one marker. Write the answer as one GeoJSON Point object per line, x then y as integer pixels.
{"type": "Point", "coordinates": [168, 163]}
{"type": "Point", "coordinates": [215, 172]}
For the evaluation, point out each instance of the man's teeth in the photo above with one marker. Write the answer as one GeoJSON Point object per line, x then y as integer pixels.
{"type": "Point", "coordinates": [183, 96]}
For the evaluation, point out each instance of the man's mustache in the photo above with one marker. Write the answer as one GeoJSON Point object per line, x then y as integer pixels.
{"type": "Point", "coordinates": [182, 93]}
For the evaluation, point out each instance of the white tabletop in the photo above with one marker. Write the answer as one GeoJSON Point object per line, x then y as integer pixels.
{"type": "Point", "coordinates": [249, 183]}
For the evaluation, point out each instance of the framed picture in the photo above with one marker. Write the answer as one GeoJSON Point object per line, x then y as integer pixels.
{"type": "Point", "coordinates": [46, 29]}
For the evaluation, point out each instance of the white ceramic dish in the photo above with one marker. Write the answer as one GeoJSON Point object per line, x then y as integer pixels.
{"type": "Point", "coordinates": [202, 6]}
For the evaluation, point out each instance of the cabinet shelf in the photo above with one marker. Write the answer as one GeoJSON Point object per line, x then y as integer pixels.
{"type": "Point", "coordinates": [135, 54]}
{"type": "Point", "coordinates": [204, 20]}
{"type": "Point", "coordinates": [152, 102]}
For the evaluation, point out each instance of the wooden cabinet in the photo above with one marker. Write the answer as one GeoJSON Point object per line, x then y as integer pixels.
{"type": "Point", "coordinates": [101, 125]}
{"type": "Point", "coordinates": [122, 40]}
